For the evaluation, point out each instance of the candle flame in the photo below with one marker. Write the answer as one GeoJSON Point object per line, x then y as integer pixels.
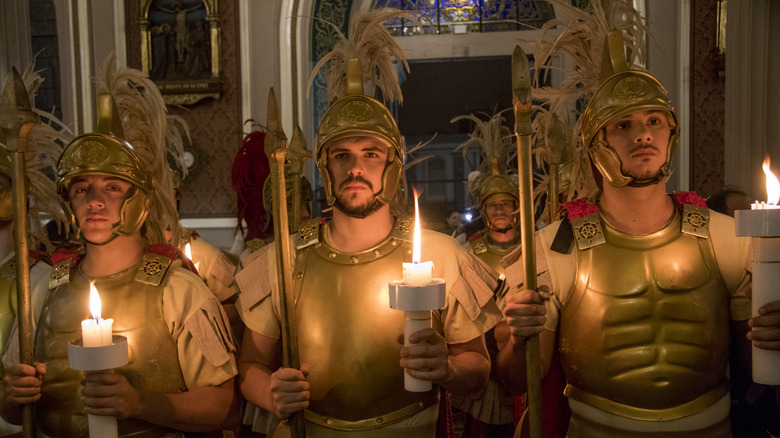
{"type": "Point", "coordinates": [188, 251]}
{"type": "Point", "coordinates": [417, 233]}
{"type": "Point", "coordinates": [772, 184]}
{"type": "Point", "coordinates": [94, 301]}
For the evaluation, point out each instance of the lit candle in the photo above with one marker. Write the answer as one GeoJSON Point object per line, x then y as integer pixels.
{"type": "Point", "coordinates": [762, 223]}
{"type": "Point", "coordinates": [188, 253]}
{"type": "Point", "coordinates": [96, 331]}
{"type": "Point", "coordinates": [417, 273]}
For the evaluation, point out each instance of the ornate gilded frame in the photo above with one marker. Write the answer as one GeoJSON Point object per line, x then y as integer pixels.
{"type": "Point", "coordinates": [180, 42]}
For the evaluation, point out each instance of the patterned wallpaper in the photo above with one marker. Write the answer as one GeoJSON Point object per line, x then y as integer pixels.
{"type": "Point", "coordinates": [215, 125]}
{"type": "Point", "coordinates": [708, 101]}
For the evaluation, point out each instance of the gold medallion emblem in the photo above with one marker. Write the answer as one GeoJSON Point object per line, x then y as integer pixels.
{"type": "Point", "coordinates": [60, 273]}
{"type": "Point", "coordinates": [695, 221]}
{"type": "Point", "coordinates": [152, 269]}
{"type": "Point", "coordinates": [587, 231]}
{"type": "Point", "coordinates": [356, 112]}
{"type": "Point", "coordinates": [90, 153]}
{"type": "Point", "coordinates": [630, 88]}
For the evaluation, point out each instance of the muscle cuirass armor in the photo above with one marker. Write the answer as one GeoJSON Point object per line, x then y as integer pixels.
{"type": "Point", "coordinates": [347, 333]}
{"type": "Point", "coordinates": [645, 332]}
{"type": "Point", "coordinates": [490, 253]}
{"type": "Point", "coordinates": [137, 311]}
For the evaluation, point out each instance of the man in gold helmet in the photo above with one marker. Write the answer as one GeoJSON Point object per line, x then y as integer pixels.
{"type": "Point", "coordinates": [350, 382]}
{"type": "Point", "coordinates": [644, 289]}
{"type": "Point", "coordinates": [180, 374]}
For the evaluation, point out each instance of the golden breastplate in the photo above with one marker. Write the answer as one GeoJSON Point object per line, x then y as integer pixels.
{"type": "Point", "coordinates": [347, 333]}
{"type": "Point", "coordinates": [138, 315]}
{"type": "Point", "coordinates": [645, 332]}
{"type": "Point", "coordinates": [490, 254]}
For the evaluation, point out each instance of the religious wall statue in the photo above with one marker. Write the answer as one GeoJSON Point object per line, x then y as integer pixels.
{"type": "Point", "coordinates": [180, 48]}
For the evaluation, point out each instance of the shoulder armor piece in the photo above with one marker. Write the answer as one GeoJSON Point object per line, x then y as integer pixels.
{"type": "Point", "coordinates": [695, 221]}
{"type": "Point", "coordinates": [254, 244]}
{"type": "Point", "coordinates": [588, 231]}
{"type": "Point", "coordinates": [478, 245]}
{"type": "Point", "coordinates": [60, 273]}
{"type": "Point", "coordinates": [403, 229]}
{"type": "Point", "coordinates": [308, 233]}
{"type": "Point", "coordinates": [155, 264]}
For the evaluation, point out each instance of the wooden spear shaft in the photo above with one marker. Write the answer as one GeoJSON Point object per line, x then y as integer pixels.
{"type": "Point", "coordinates": [290, 355]}
{"type": "Point", "coordinates": [521, 89]}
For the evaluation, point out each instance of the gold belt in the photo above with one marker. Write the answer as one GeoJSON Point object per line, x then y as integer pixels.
{"type": "Point", "coordinates": [375, 422]}
{"type": "Point", "coordinates": [697, 405]}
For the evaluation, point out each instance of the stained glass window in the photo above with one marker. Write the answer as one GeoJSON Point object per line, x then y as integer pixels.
{"type": "Point", "coordinates": [465, 16]}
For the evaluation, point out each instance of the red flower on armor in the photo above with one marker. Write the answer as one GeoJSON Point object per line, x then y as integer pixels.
{"type": "Point", "coordinates": [580, 208]}
{"type": "Point", "coordinates": [690, 198]}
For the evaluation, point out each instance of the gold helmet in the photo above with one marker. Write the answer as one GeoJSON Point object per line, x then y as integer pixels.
{"type": "Point", "coordinates": [494, 181]}
{"type": "Point", "coordinates": [497, 188]}
{"type": "Point", "coordinates": [621, 94]}
{"type": "Point", "coordinates": [130, 143]}
{"type": "Point", "coordinates": [107, 153]}
{"type": "Point", "coordinates": [365, 57]}
{"type": "Point", "coordinates": [357, 115]}
{"type": "Point", "coordinates": [602, 75]}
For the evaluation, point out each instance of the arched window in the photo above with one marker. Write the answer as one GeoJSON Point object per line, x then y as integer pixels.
{"type": "Point", "coordinates": [465, 16]}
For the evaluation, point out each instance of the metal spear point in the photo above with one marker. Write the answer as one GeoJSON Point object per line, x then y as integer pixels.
{"type": "Point", "coordinates": [276, 149]}
{"type": "Point", "coordinates": [16, 120]}
{"type": "Point", "coordinates": [521, 101]}
{"type": "Point", "coordinates": [297, 153]}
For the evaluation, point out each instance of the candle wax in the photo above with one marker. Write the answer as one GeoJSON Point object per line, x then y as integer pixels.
{"type": "Point", "coordinates": [96, 333]}
{"type": "Point", "coordinates": [418, 274]}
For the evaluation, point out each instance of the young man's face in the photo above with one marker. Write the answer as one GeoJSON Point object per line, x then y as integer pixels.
{"type": "Point", "coordinates": [640, 139]}
{"type": "Point", "coordinates": [96, 200]}
{"type": "Point", "coordinates": [356, 165]}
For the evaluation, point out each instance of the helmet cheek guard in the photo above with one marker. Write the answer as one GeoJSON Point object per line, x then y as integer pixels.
{"type": "Point", "coordinates": [133, 213]}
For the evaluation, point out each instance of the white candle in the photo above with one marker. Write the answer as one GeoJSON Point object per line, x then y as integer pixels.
{"type": "Point", "coordinates": [762, 223]}
{"type": "Point", "coordinates": [96, 332]}
{"type": "Point", "coordinates": [417, 273]}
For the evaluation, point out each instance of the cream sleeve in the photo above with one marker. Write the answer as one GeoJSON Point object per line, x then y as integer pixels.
{"type": "Point", "coordinates": [733, 255]}
{"type": "Point", "coordinates": [470, 309]}
{"type": "Point", "coordinates": [214, 268]}
{"type": "Point", "coordinates": [257, 288]}
{"type": "Point", "coordinates": [200, 329]}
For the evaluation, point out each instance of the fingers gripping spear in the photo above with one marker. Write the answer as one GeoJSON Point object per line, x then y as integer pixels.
{"type": "Point", "coordinates": [276, 149]}
{"type": "Point", "coordinates": [521, 101]}
{"type": "Point", "coordinates": [16, 120]}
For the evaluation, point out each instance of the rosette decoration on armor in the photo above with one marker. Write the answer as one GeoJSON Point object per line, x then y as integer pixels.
{"type": "Point", "coordinates": [365, 60]}
{"type": "Point", "coordinates": [495, 178]}
{"type": "Point", "coordinates": [130, 143]}
{"type": "Point", "coordinates": [44, 145]}
{"type": "Point", "coordinates": [604, 42]}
